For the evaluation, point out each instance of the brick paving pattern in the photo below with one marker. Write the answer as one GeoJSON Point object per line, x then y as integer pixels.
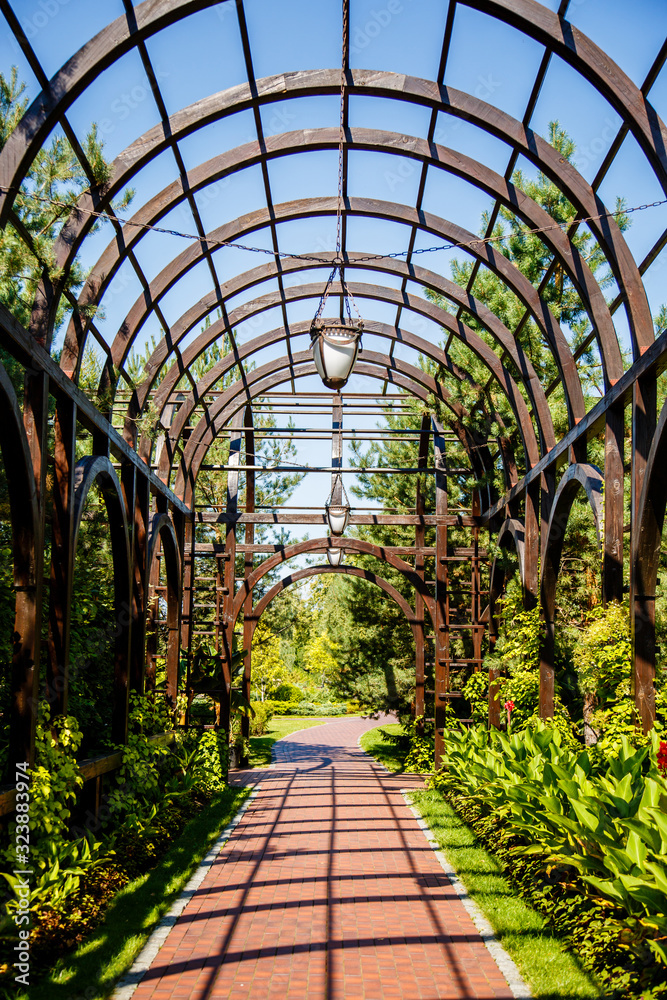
{"type": "Point", "coordinates": [327, 890]}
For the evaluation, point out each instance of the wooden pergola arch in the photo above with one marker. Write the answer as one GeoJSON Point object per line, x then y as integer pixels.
{"type": "Point", "coordinates": [242, 387]}
{"type": "Point", "coordinates": [407, 377]}
{"type": "Point", "coordinates": [28, 560]}
{"type": "Point", "coordinates": [98, 470]}
{"type": "Point", "coordinates": [162, 540]}
{"type": "Point", "coordinates": [145, 514]}
{"type": "Point", "coordinates": [310, 571]}
{"type": "Point", "coordinates": [257, 276]}
{"type": "Point", "coordinates": [312, 545]}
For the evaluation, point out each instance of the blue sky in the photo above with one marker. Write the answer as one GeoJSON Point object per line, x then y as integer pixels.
{"type": "Point", "coordinates": [202, 55]}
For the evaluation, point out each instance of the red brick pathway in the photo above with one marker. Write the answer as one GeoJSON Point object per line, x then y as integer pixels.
{"type": "Point", "coordinates": [327, 890]}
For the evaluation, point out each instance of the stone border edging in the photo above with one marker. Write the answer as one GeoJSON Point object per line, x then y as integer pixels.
{"type": "Point", "coordinates": [126, 986]}
{"type": "Point", "coordinates": [515, 981]}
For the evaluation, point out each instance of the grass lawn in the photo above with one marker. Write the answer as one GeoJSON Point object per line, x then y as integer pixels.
{"type": "Point", "coordinates": [279, 726]}
{"type": "Point", "coordinates": [92, 970]}
{"type": "Point", "coordinates": [551, 972]}
{"type": "Point", "coordinates": [374, 744]}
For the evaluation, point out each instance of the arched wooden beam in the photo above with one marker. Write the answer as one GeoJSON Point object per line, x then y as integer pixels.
{"type": "Point", "coordinates": [485, 253]}
{"type": "Point", "coordinates": [297, 293]}
{"type": "Point", "coordinates": [480, 457]}
{"type": "Point", "coordinates": [577, 477]}
{"type": "Point", "coordinates": [382, 85]}
{"type": "Point", "coordinates": [514, 397]}
{"type": "Point", "coordinates": [20, 485]}
{"type": "Point", "coordinates": [647, 544]}
{"type": "Point", "coordinates": [475, 173]}
{"type": "Point", "coordinates": [577, 49]}
{"type": "Point", "coordinates": [98, 469]}
{"type": "Point", "coordinates": [309, 571]}
{"type": "Point", "coordinates": [119, 37]}
{"type": "Point", "coordinates": [26, 569]}
{"type": "Point", "coordinates": [274, 373]}
{"type": "Point", "coordinates": [162, 534]}
{"type": "Point", "coordinates": [429, 279]}
{"type": "Point", "coordinates": [321, 545]}
{"type": "Point", "coordinates": [511, 534]}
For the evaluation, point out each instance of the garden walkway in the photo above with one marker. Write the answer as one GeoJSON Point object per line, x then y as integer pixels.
{"type": "Point", "coordinates": [327, 890]}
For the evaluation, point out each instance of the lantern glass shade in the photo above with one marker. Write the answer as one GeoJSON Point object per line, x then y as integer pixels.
{"type": "Point", "coordinates": [335, 348]}
{"type": "Point", "coordinates": [338, 515]}
{"type": "Point", "coordinates": [335, 556]}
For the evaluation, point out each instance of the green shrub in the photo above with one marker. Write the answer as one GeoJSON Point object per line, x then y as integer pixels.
{"type": "Point", "coordinates": [59, 861]}
{"type": "Point", "coordinates": [259, 722]}
{"type": "Point", "coordinates": [211, 763]}
{"type": "Point", "coordinates": [309, 708]}
{"type": "Point", "coordinates": [288, 692]}
{"type": "Point", "coordinates": [421, 755]}
{"type": "Point", "coordinates": [286, 707]}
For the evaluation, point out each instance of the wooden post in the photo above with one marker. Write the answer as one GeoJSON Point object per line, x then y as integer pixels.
{"type": "Point", "coordinates": [137, 499]}
{"type": "Point", "coordinates": [531, 545]}
{"type": "Point", "coordinates": [547, 646]}
{"type": "Point", "coordinates": [442, 652]}
{"type": "Point", "coordinates": [62, 557]}
{"type": "Point", "coordinates": [187, 598]}
{"type": "Point", "coordinates": [642, 606]}
{"type": "Point", "coordinates": [612, 565]}
{"type": "Point", "coordinates": [420, 656]}
{"type": "Point", "coordinates": [29, 576]}
{"type": "Point", "coordinates": [248, 625]}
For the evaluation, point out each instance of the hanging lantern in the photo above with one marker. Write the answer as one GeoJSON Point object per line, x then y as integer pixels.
{"type": "Point", "coordinates": [335, 347]}
{"type": "Point", "coordinates": [335, 557]}
{"type": "Point", "coordinates": [337, 508]}
{"type": "Point", "coordinates": [336, 343]}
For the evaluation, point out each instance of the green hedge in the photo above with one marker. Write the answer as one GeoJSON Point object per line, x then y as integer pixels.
{"type": "Point", "coordinates": [307, 708]}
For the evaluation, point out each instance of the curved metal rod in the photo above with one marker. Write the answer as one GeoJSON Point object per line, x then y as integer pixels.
{"type": "Point", "coordinates": [382, 85]}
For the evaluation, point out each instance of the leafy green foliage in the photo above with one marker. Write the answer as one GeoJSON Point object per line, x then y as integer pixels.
{"type": "Point", "coordinates": [59, 860]}
{"type": "Point", "coordinates": [55, 175]}
{"type": "Point", "coordinates": [263, 713]}
{"type": "Point", "coordinates": [586, 829]}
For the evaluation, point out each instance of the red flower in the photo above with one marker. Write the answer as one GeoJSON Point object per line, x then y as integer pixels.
{"type": "Point", "coordinates": [662, 758]}
{"type": "Point", "coordinates": [509, 705]}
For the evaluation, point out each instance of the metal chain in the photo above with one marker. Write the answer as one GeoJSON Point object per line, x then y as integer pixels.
{"type": "Point", "coordinates": [341, 132]}
{"type": "Point", "coordinates": [311, 258]}
{"type": "Point", "coordinates": [348, 298]}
